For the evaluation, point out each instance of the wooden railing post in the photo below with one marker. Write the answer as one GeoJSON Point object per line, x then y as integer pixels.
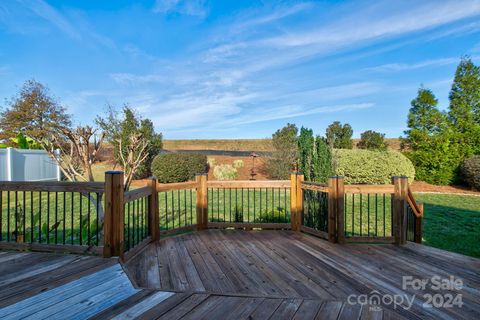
{"type": "Point", "coordinates": [399, 215]}
{"type": "Point", "coordinates": [202, 202]}
{"type": "Point", "coordinates": [113, 226]}
{"type": "Point", "coordinates": [296, 200]}
{"type": "Point", "coordinates": [340, 209]}
{"type": "Point", "coordinates": [418, 224]}
{"type": "Point", "coordinates": [332, 209]}
{"type": "Point", "coordinates": [153, 212]}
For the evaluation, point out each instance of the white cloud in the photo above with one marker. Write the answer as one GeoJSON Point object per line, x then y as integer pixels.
{"type": "Point", "coordinates": [418, 65]}
{"type": "Point", "coordinates": [132, 79]}
{"type": "Point", "coordinates": [185, 7]}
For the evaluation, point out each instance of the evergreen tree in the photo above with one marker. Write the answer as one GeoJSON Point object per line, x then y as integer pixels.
{"type": "Point", "coordinates": [283, 159]}
{"type": "Point", "coordinates": [306, 143]}
{"type": "Point", "coordinates": [433, 152]}
{"type": "Point", "coordinates": [372, 140]}
{"type": "Point", "coordinates": [322, 162]}
{"type": "Point", "coordinates": [464, 111]}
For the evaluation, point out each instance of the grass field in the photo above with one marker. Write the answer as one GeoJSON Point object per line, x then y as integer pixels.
{"type": "Point", "coordinates": [240, 144]}
{"type": "Point", "coordinates": [452, 222]}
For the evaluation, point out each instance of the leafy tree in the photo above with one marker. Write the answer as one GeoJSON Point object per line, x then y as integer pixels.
{"type": "Point", "coordinates": [430, 141]}
{"type": "Point", "coordinates": [340, 136]}
{"type": "Point", "coordinates": [464, 111]}
{"type": "Point", "coordinates": [372, 140]}
{"type": "Point", "coordinates": [283, 159]}
{"type": "Point", "coordinates": [34, 113]}
{"type": "Point", "coordinates": [119, 132]}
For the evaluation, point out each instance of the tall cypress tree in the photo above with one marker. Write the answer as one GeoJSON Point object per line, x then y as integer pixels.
{"type": "Point", "coordinates": [464, 111]}
{"type": "Point", "coordinates": [306, 143]}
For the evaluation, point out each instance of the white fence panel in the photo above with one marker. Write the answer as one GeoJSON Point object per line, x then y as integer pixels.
{"type": "Point", "coordinates": [3, 165]}
{"type": "Point", "coordinates": [28, 165]}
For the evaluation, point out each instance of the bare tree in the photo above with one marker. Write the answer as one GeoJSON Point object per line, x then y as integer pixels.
{"type": "Point", "coordinates": [78, 151]}
{"type": "Point", "coordinates": [135, 152]}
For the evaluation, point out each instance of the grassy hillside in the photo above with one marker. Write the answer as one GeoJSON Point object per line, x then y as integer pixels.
{"type": "Point", "coordinates": [240, 144]}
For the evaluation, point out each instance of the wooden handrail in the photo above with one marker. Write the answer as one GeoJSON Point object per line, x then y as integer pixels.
{"type": "Point", "coordinates": [369, 188]}
{"type": "Point", "coordinates": [53, 186]}
{"type": "Point", "coordinates": [238, 184]}
{"type": "Point", "coordinates": [413, 204]}
{"type": "Point", "coordinates": [322, 187]}
{"type": "Point", "coordinates": [162, 187]}
{"type": "Point", "coordinates": [135, 194]}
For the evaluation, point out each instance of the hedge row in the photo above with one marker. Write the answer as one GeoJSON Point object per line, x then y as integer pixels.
{"type": "Point", "coordinates": [371, 167]}
{"type": "Point", "coordinates": [178, 167]}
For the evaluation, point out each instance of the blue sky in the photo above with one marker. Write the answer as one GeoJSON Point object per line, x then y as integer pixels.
{"type": "Point", "coordinates": [239, 69]}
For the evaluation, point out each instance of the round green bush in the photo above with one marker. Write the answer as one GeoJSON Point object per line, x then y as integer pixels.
{"type": "Point", "coordinates": [471, 171]}
{"type": "Point", "coordinates": [371, 167]}
{"type": "Point", "coordinates": [178, 167]}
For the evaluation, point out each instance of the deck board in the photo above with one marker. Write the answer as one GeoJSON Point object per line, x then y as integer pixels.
{"type": "Point", "coordinates": [218, 274]}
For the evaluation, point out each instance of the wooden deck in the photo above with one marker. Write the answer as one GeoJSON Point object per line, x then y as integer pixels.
{"type": "Point", "coordinates": [219, 274]}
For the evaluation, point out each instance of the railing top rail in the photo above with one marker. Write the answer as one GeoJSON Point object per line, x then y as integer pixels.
{"type": "Point", "coordinates": [366, 188]}
{"type": "Point", "coordinates": [239, 184]}
{"type": "Point", "coordinates": [176, 186]}
{"type": "Point", "coordinates": [135, 194]}
{"type": "Point", "coordinates": [413, 204]}
{"type": "Point", "coordinates": [53, 186]}
{"type": "Point", "coordinates": [315, 186]}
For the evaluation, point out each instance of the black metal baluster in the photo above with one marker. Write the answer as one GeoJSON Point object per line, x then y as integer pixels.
{"type": "Point", "coordinates": [89, 236]}
{"type": "Point", "coordinates": [173, 211]}
{"type": "Point", "coordinates": [71, 222]}
{"type": "Point", "coordinates": [39, 217]}
{"type": "Point", "coordinates": [128, 225]}
{"type": "Point", "coordinates": [254, 204]}
{"type": "Point", "coordinates": [384, 218]}
{"type": "Point", "coordinates": [64, 215]}
{"type": "Point", "coordinates": [368, 214]}
{"type": "Point", "coordinates": [376, 214]}
{"type": "Point", "coordinates": [80, 218]}
{"type": "Point", "coordinates": [97, 217]}
{"type": "Point", "coordinates": [56, 217]}
{"type": "Point", "coordinates": [16, 215]}
{"type": "Point", "coordinates": [31, 218]}
{"type": "Point", "coordinates": [285, 204]}
{"type": "Point", "coordinates": [24, 215]}
{"type": "Point", "coordinates": [8, 215]}
{"type": "Point", "coordinates": [166, 210]}
{"type": "Point", "coordinates": [353, 214]}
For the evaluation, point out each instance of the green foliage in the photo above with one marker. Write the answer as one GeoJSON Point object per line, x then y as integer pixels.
{"type": "Point", "coordinates": [238, 164]}
{"type": "Point", "coordinates": [283, 159]}
{"type": "Point", "coordinates": [211, 162]}
{"type": "Point", "coordinates": [178, 167]}
{"type": "Point", "coordinates": [464, 111]}
{"type": "Point", "coordinates": [315, 159]}
{"type": "Point", "coordinates": [34, 113]}
{"type": "Point", "coordinates": [372, 140]}
{"type": "Point", "coordinates": [225, 172]}
{"type": "Point", "coordinates": [120, 129]}
{"type": "Point", "coordinates": [433, 150]}
{"type": "Point", "coordinates": [23, 142]}
{"type": "Point", "coordinates": [372, 167]}
{"type": "Point", "coordinates": [276, 215]}
{"type": "Point", "coordinates": [306, 150]}
{"type": "Point", "coordinates": [471, 171]}
{"type": "Point", "coordinates": [339, 136]}
{"type": "Point", "coordinates": [322, 160]}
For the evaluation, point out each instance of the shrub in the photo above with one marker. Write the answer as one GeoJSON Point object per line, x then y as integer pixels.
{"type": "Point", "coordinates": [372, 167]}
{"type": "Point", "coordinates": [178, 167]}
{"type": "Point", "coordinates": [277, 215]}
{"type": "Point", "coordinates": [471, 171]}
{"type": "Point", "coordinates": [283, 159]}
{"type": "Point", "coordinates": [211, 162]}
{"type": "Point", "coordinates": [225, 172]}
{"type": "Point", "coordinates": [372, 140]}
{"type": "Point", "coordinates": [238, 164]}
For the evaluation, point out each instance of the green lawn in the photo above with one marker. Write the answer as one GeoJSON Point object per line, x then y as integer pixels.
{"type": "Point", "coordinates": [452, 222]}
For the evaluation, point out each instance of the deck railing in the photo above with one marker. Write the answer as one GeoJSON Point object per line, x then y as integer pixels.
{"type": "Point", "coordinates": [104, 219]}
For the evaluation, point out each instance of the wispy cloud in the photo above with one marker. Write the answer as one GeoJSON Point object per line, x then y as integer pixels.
{"type": "Point", "coordinates": [412, 66]}
{"type": "Point", "coordinates": [372, 23]}
{"type": "Point", "coordinates": [47, 12]}
{"type": "Point", "coordinates": [195, 8]}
